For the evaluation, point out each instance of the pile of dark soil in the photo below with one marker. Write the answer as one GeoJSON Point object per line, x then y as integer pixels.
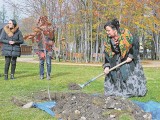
{"type": "Point", "coordinates": [82, 106]}
{"type": "Point", "coordinates": [74, 86]}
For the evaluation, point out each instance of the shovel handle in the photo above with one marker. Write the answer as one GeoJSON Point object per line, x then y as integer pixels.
{"type": "Point", "coordinates": [110, 69]}
{"type": "Point", "coordinates": [117, 65]}
{"type": "Point", "coordinates": [93, 79]}
{"type": "Point", "coordinates": [113, 68]}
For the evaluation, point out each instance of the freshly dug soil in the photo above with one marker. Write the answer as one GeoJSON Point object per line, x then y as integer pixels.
{"type": "Point", "coordinates": [82, 106]}
{"type": "Point", "coordinates": [74, 86]}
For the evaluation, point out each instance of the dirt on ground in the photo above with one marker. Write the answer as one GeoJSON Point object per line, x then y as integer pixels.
{"type": "Point", "coordinates": [74, 86]}
{"type": "Point", "coordinates": [83, 106]}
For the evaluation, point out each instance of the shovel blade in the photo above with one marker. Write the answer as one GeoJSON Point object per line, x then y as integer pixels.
{"type": "Point", "coordinates": [81, 85]}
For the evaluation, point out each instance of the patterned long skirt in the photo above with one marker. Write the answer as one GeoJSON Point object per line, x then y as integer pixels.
{"type": "Point", "coordinates": [134, 85]}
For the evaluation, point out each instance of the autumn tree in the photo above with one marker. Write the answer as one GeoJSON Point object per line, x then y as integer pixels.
{"type": "Point", "coordinates": [79, 23]}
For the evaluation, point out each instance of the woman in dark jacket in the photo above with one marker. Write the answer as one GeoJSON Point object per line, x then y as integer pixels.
{"type": "Point", "coordinates": [11, 38]}
{"type": "Point", "coordinates": [128, 80]}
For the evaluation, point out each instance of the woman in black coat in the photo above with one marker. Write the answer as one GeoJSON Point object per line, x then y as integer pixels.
{"type": "Point", "coordinates": [11, 37]}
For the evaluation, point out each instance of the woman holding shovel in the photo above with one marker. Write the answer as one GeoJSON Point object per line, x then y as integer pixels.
{"type": "Point", "coordinates": [128, 80]}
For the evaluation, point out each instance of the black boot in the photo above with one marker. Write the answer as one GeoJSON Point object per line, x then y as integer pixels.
{"type": "Point", "coordinates": [13, 67]}
{"type": "Point", "coordinates": [12, 76]}
{"type": "Point", "coordinates": [6, 77]}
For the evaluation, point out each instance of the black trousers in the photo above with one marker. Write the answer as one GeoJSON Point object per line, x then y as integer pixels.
{"type": "Point", "coordinates": [10, 60]}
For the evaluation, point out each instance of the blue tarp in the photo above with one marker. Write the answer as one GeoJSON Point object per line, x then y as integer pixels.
{"type": "Point", "coordinates": [46, 106]}
{"type": "Point", "coordinates": [150, 106]}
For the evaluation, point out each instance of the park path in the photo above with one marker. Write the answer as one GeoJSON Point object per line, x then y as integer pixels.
{"type": "Point", "coordinates": [145, 63]}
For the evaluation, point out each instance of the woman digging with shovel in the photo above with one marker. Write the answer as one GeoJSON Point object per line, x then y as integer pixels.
{"type": "Point", "coordinates": [128, 80]}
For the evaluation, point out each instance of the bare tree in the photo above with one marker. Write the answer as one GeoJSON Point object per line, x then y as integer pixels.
{"type": "Point", "coordinates": [3, 15]}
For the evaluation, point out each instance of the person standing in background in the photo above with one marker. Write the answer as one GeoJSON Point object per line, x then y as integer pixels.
{"type": "Point", "coordinates": [45, 40]}
{"type": "Point", "coordinates": [43, 35]}
{"type": "Point", "coordinates": [11, 38]}
{"type": "Point", "coordinates": [45, 45]}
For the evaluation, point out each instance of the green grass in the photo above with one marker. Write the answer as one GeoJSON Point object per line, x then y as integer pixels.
{"type": "Point", "coordinates": [27, 82]}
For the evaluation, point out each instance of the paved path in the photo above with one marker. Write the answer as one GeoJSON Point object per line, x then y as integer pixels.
{"type": "Point", "coordinates": [35, 60]}
{"type": "Point", "coordinates": [145, 63]}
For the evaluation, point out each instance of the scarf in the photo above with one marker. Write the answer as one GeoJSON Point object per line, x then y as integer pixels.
{"type": "Point", "coordinates": [125, 43]}
{"type": "Point", "coordinates": [10, 32]}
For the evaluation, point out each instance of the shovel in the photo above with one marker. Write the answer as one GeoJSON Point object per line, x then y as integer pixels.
{"type": "Point", "coordinates": [93, 79]}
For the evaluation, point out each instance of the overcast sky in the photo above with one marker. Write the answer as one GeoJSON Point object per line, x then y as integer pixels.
{"type": "Point", "coordinates": [8, 8]}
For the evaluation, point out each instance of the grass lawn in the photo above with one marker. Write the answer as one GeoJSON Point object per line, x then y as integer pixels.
{"type": "Point", "coordinates": [27, 82]}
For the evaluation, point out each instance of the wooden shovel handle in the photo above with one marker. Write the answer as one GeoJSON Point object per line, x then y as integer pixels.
{"type": "Point", "coordinates": [117, 65]}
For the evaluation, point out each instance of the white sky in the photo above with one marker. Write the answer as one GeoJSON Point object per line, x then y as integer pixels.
{"type": "Point", "coordinates": [3, 3]}
{"type": "Point", "coordinates": [7, 8]}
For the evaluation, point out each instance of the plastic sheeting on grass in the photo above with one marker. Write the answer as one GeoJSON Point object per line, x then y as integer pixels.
{"type": "Point", "coordinates": [150, 106]}
{"type": "Point", "coordinates": [46, 106]}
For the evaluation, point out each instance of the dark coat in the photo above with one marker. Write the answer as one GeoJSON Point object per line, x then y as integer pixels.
{"type": "Point", "coordinates": [14, 35]}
